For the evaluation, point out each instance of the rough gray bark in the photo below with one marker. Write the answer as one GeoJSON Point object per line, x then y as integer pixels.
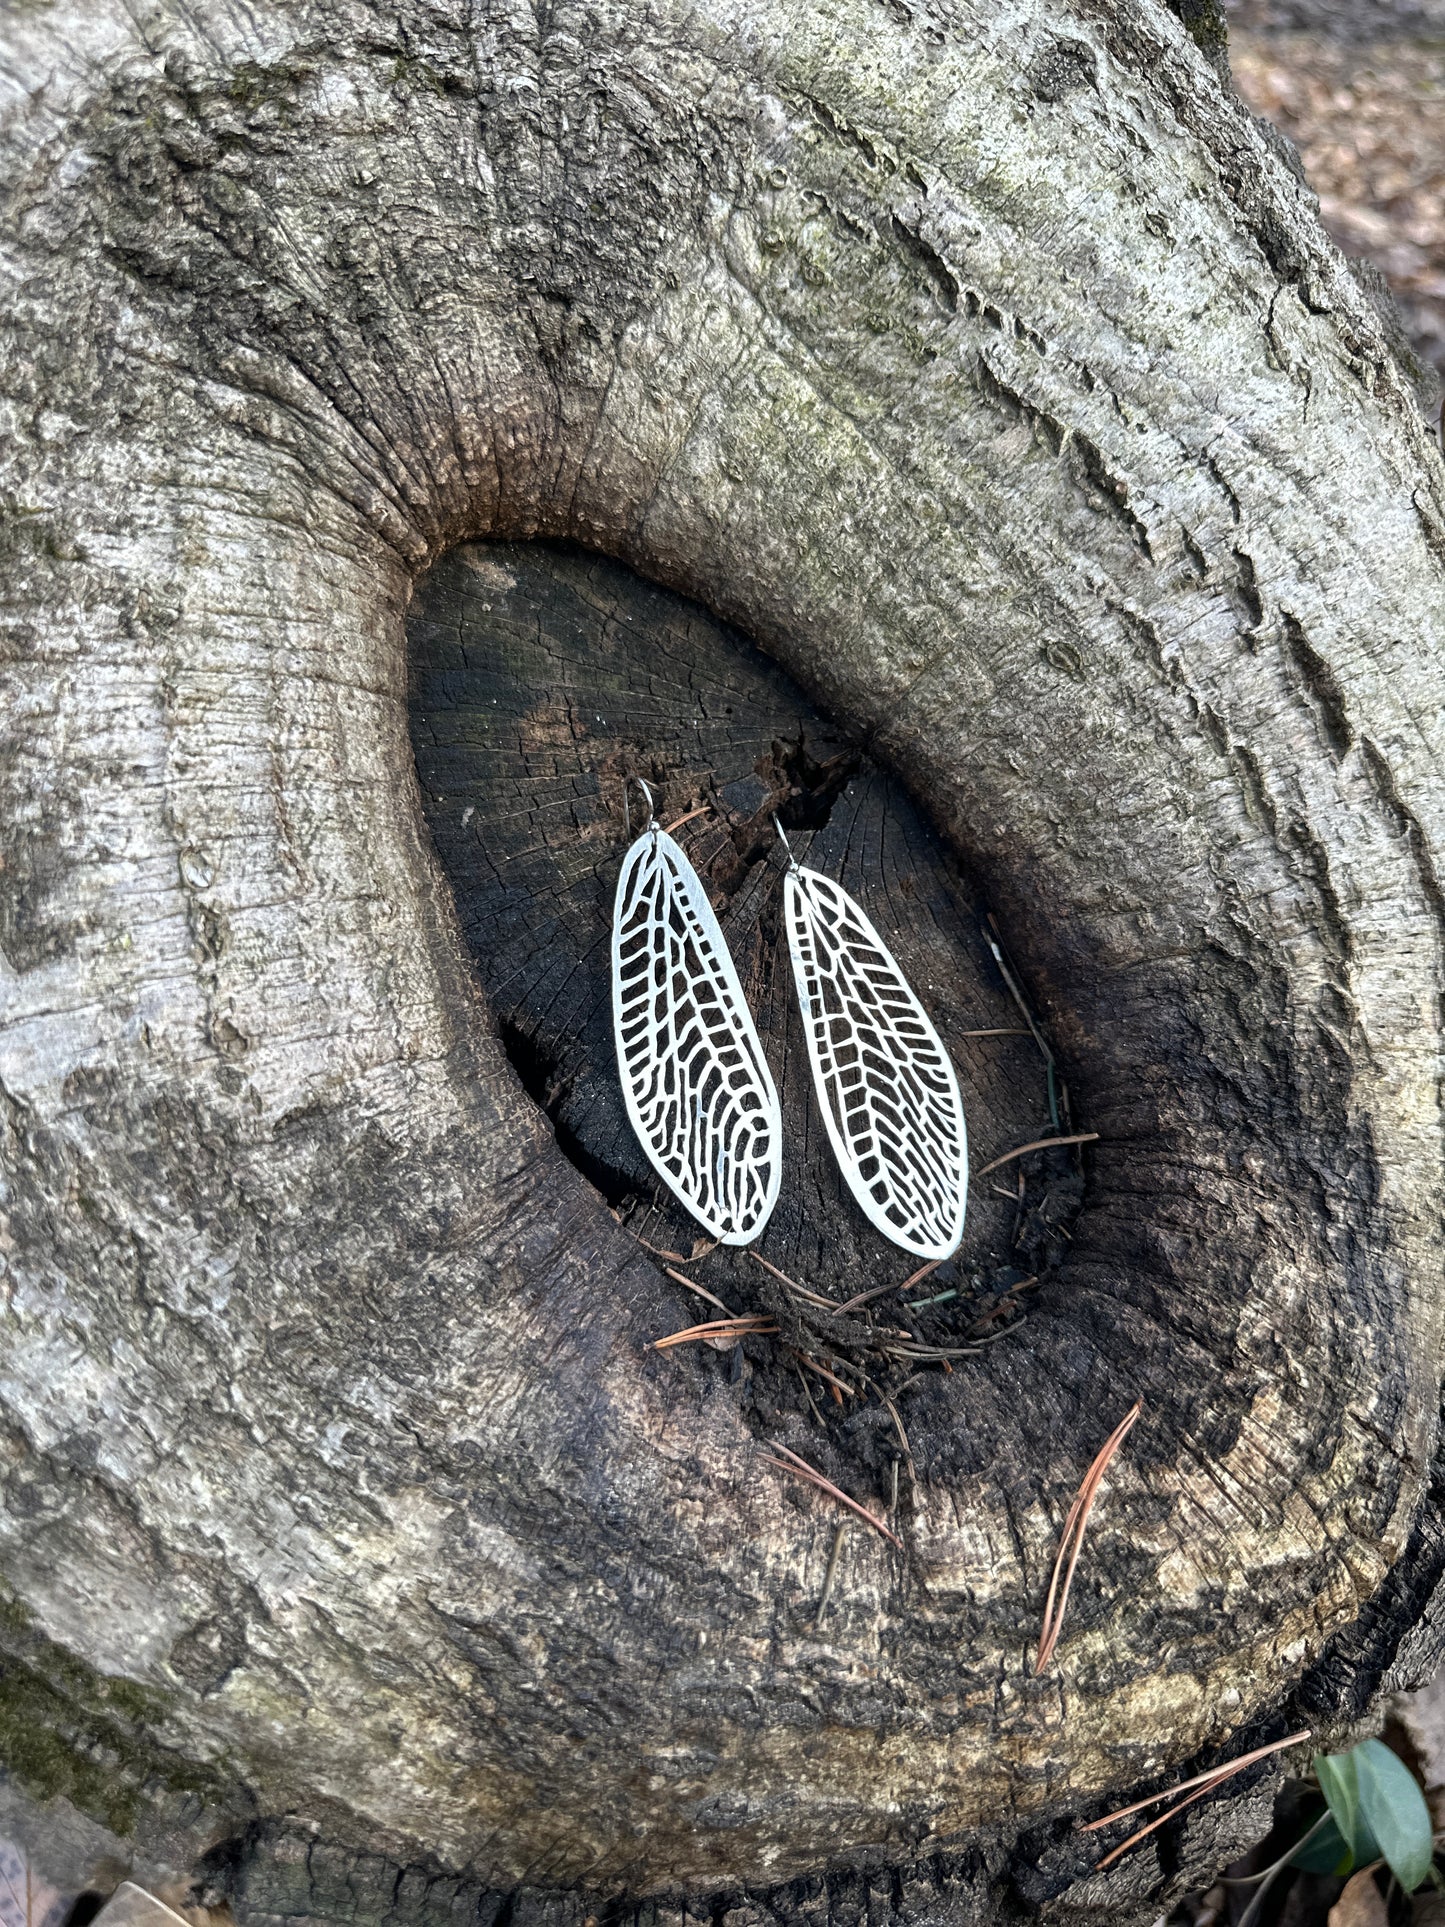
{"type": "Point", "coordinates": [983, 364]}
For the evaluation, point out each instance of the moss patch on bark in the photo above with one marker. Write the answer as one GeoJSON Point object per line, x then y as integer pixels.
{"type": "Point", "coordinates": [68, 1731]}
{"type": "Point", "coordinates": [1204, 22]}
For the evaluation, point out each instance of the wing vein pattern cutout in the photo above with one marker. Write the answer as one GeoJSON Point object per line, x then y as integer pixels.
{"type": "Point", "coordinates": [886, 1088]}
{"type": "Point", "coordinates": [696, 1084]}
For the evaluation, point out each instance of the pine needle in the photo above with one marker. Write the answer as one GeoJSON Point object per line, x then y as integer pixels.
{"type": "Point", "coordinates": [809, 1297]}
{"type": "Point", "coordinates": [701, 1290]}
{"type": "Point", "coordinates": [882, 1291]}
{"type": "Point", "coordinates": [716, 1328]}
{"type": "Point", "coordinates": [800, 1468]}
{"type": "Point", "coordinates": [902, 1439]}
{"type": "Point", "coordinates": [1203, 1783]}
{"type": "Point", "coordinates": [1206, 1778]}
{"type": "Point", "coordinates": [703, 809]}
{"type": "Point", "coordinates": [1072, 1540]}
{"type": "Point", "coordinates": [840, 1390]}
{"type": "Point", "coordinates": [867, 1297]}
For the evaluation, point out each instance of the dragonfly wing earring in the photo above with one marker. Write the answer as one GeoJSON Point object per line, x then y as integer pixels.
{"type": "Point", "coordinates": [697, 1086]}
{"type": "Point", "coordinates": [886, 1088]}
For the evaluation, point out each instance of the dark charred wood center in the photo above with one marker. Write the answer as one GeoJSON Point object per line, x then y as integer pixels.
{"type": "Point", "coordinates": [541, 678]}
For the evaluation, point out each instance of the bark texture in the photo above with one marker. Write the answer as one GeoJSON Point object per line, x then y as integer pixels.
{"type": "Point", "coordinates": [985, 366]}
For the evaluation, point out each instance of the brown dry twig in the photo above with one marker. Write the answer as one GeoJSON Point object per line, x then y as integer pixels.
{"type": "Point", "coordinates": [801, 1291]}
{"type": "Point", "coordinates": [661, 1251]}
{"type": "Point", "coordinates": [893, 1413]}
{"type": "Point", "coordinates": [716, 1328]}
{"type": "Point", "coordinates": [1072, 1539]}
{"type": "Point", "coordinates": [832, 1573]}
{"type": "Point", "coordinates": [701, 1290]}
{"type": "Point", "coordinates": [1202, 1783]}
{"type": "Point", "coordinates": [935, 1354]}
{"type": "Point", "coordinates": [1039, 1144]}
{"type": "Point", "coordinates": [808, 1394]}
{"type": "Point", "coordinates": [800, 1468]}
{"type": "Point", "coordinates": [850, 1304]}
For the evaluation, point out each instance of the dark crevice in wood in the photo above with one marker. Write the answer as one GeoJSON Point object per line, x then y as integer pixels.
{"type": "Point", "coordinates": [543, 679]}
{"type": "Point", "coordinates": [538, 1072]}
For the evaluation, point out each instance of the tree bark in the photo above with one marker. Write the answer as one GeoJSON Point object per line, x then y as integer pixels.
{"type": "Point", "coordinates": [986, 369]}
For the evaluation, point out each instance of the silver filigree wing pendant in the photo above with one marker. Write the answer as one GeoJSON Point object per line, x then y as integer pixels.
{"type": "Point", "coordinates": [886, 1088]}
{"type": "Point", "coordinates": [696, 1084]}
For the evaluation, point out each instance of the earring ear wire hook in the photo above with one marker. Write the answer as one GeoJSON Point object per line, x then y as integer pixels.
{"type": "Point", "coordinates": [793, 863]}
{"type": "Point", "coordinates": [651, 823]}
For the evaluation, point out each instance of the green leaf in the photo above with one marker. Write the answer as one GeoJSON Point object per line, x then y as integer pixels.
{"type": "Point", "coordinates": [1337, 1775]}
{"type": "Point", "coordinates": [1392, 1806]}
{"type": "Point", "coordinates": [1326, 1851]}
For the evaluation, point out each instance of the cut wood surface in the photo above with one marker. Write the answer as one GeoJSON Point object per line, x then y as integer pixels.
{"type": "Point", "coordinates": [1072, 551]}
{"type": "Point", "coordinates": [541, 678]}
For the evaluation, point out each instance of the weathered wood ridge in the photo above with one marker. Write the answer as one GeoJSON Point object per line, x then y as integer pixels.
{"type": "Point", "coordinates": [985, 366]}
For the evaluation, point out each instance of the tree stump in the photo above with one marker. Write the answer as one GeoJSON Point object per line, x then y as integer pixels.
{"type": "Point", "coordinates": [971, 402]}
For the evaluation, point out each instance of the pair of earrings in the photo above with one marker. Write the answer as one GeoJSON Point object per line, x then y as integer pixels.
{"type": "Point", "coordinates": [696, 1083]}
